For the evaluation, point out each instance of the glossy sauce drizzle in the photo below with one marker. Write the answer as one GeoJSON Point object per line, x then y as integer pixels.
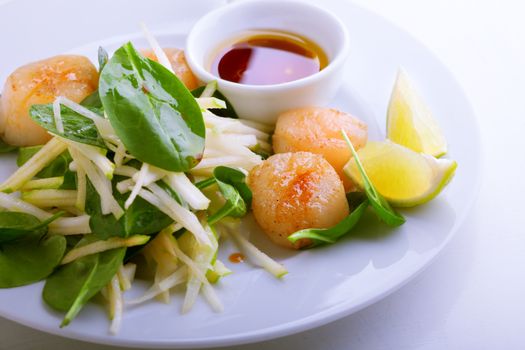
{"type": "Point", "coordinates": [265, 57]}
{"type": "Point", "coordinates": [236, 258]}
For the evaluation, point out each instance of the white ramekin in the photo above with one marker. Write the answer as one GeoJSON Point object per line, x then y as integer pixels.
{"type": "Point", "coordinates": [263, 103]}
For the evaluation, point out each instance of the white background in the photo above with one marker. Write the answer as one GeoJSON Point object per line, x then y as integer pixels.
{"type": "Point", "coordinates": [473, 295]}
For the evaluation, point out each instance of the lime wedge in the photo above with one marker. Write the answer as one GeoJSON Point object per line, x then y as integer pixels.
{"type": "Point", "coordinates": [403, 177]}
{"type": "Point", "coordinates": [410, 122]}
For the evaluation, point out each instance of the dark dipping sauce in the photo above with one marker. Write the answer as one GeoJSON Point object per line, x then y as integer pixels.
{"type": "Point", "coordinates": [267, 57]}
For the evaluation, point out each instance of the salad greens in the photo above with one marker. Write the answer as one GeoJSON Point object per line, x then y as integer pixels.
{"type": "Point", "coordinates": [30, 258]}
{"type": "Point", "coordinates": [228, 112]}
{"type": "Point", "coordinates": [93, 102]}
{"type": "Point", "coordinates": [5, 148]}
{"type": "Point", "coordinates": [236, 179]}
{"type": "Point", "coordinates": [76, 127]}
{"type": "Point", "coordinates": [74, 284]}
{"type": "Point", "coordinates": [129, 157]}
{"type": "Point", "coordinates": [103, 58]}
{"type": "Point", "coordinates": [58, 167]}
{"type": "Point", "coordinates": [132, 158]}
{"type": "Point", "coordinates": [232, 185]}
{"type": "Point", "coordinates": [152, 112]}
{"type": "Point", "coordinates": [141, 218]}
{"type": "Point", "coordinates": [15, 225]}
{"type": "Point", "coordinates": [332, 234]}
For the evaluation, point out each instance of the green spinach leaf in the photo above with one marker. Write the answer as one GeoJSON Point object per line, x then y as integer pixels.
{"type": "Point", "coordinates": [234, 206]}
{"type": "Point", "coordinates": [152, 112]}
{"type": "Point", "coordinates": [15, 225]}
{"type": "Point", "coordinates": [237, 179]}
{"type": "Point", "coordinates": [93, 102]}
{"type": "Point", "coordinates": [76, 127]}
{"type": "Point", "coordinates": [141, 218]}
{"type": "Point", "coordinates": [74, 284]}
{"type": "Point", "coordinates": [103, 58]}
{"type": "Point", "coordinates": [233, 187]}
{"type": "Point", "coordinates": [332, 234]}
{"type": "Point", "coordinates": [30, 259]}
{"type": "Point", "coordinates": [58, 167]}
{"type": "Point", "coordinates": [5, 148]}
{"type": "Point", "coordinates": [228, 112]}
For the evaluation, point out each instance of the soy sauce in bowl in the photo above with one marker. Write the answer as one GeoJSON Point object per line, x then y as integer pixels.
{"type": "Point", "coordinates": [268, 57]}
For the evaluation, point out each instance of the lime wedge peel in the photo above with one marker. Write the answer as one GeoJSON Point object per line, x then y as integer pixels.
{"type": "Point", "coordinates": [403, 177]}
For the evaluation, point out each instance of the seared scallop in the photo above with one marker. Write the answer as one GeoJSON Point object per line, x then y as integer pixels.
{"type": "Point", "coordinates": [74, 77]}
{"type": "Point", "coordinates": [318, 130]}
{"type": "Point", "coordinates": [178, 64]}
{"type": "Point", "coordinates": [294, 191]}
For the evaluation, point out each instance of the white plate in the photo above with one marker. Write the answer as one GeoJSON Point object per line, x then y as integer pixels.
{"type": "Point", "coordinates": [323, 284]}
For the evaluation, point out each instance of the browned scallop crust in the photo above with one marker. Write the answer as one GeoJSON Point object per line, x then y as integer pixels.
{"type": "Point", "coordinates": [294, 191]}
{"type": "Point", "coordinates": [179, 65]}
{"type": "Point", "coordinates": [71, 76]}
{"type": "Point", "coordinates": [318, 130]}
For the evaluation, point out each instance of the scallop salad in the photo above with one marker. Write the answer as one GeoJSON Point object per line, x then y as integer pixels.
{"type": "Point", "coordinates": [136, 169]}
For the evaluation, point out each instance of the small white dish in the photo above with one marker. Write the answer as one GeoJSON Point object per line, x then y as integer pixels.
{"type": "Point", "coordinates": [263, 103]}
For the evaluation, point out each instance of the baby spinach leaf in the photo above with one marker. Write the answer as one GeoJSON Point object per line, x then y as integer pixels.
{"type": "Point", "coordinates": [237, 179]}
{"type": "Point", "coordinates": [205, 183]}
{"type": "Point", "coordinates": [141, 218]}
{"type": "Point", "coordinates": [76, 127]}
{"type": "Point", "coordinates": [231, 176]}
{"type": "Point", "coordinates": [74, 284]}
{"type": "Point", "coordinates": [103, 58]}
{"type": "Point", "coordinates": [5, 148]}
{"type": "Point", "coordinates": [228, 112]}
{"type": "Point", "coordinates": [70, 181]}
{"type": "Point", "coordinates": [15, 225]}
{"type": "Point", "coordinates": [383, 210]}
{"type": "Point", "coordinates": [332, 234]}
{"type": "Point", "coordinates": [30, 259]}
{"type": "Point", "coordinates": [152, 112]}
{"type": "Point", "coordinates": [231, 183]}
{"type": "Point", "coordinates": [58, 167]}
{"type": "Point", "coordinates": [93, 102]}
{"type": "Point", "coordinates": [234, 206]}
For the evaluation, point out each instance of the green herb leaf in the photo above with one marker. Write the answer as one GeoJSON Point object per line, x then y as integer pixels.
{"type": "Point", "coordinates": [228, 112]}
{"type": "Point", "coordinates": [5, 148]}
{"type": "Point", "coordinates": [103, 58]}
{"type": "Point", "coordinates": [15, 225]}
{"type": "Point", "coordinates": [30, 259]}
{"type": "Point", "coordinates": [152, 112]}
{"type": "Point", "coordinates": [93, 102]}
{"type": "Point", "coordinates": [232, 185]}
{"type": "Point", "coordinates": [383, 210]}
{"type": "Point", "coordinates": [74, 284]}
{"type": "Point", "coordinates": [237, 179]}
{"type": "Point", "coordinates": [58, 167]}
{"type": "Point", "coordinates": [234, 206]}
{"type": "Point", "coordinates": [76, 127]}
{"type": "Point", "coordinates": [331, 235]}
{"type": "Point", "coordinates": [141, 218]}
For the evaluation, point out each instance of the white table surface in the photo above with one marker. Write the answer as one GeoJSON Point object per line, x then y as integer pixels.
{"type": "Point", "coordinates": [473, 295]}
